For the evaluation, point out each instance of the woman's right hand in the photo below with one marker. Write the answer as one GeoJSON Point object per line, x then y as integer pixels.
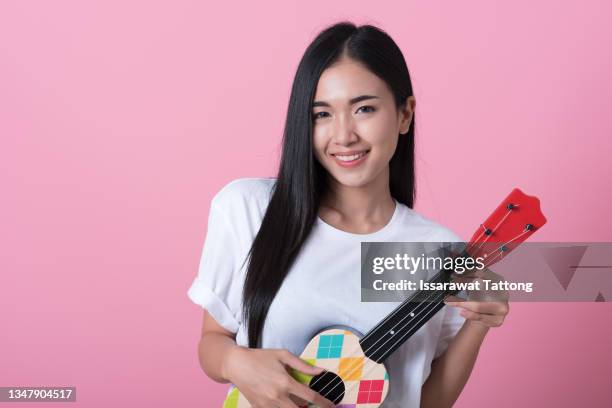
{"type": "Point", "coordinates": [261, 376]}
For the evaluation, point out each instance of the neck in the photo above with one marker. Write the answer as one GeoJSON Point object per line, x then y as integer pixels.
{"type": "Point", "coordinates": [367, 205]}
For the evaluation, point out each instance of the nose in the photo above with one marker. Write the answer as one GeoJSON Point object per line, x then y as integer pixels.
{"type": "Point", "coordinates": [344, 132]}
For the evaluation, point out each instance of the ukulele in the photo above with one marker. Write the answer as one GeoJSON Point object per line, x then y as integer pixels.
{"type": "Point", "coordinates": [355, 375]}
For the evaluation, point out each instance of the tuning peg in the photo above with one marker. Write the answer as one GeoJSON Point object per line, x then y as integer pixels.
{"type": "Point", "coordinates": [510, 206]}
{"type": "Point", "coordinates": [528, 227]}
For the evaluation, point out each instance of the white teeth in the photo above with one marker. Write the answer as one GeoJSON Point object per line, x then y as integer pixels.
{"type": "Point", "coordinates": [351, 158]}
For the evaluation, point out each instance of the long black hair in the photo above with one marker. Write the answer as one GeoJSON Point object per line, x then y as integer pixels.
{"type": "Point", "coordinates": [301, 180]}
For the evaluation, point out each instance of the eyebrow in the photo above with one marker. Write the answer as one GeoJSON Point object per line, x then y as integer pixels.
{"type": "Point", "coordinates": [352, 101]}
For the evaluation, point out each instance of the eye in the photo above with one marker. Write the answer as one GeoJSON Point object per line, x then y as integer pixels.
{"type": "Point", "coordinates": [317, 115]}
{"type": "Point", "coordinates": [367, 108]}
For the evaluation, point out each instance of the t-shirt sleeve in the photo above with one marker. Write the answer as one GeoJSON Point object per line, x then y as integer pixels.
{"type": "Point", "coordinates": [218, 285]}
{"type": "Point", "coordinates": [451, 323]}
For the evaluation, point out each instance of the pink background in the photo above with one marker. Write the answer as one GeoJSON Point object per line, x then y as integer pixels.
{"type": "Point", "coordinates": [120, 120]}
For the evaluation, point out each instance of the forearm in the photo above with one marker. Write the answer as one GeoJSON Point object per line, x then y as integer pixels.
{"type": "Point", "coordinates": [450, 372]}
{"type": "Point", "coordinates": [214, 350]}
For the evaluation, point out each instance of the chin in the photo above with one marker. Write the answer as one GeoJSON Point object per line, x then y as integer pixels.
{"type": "Point", "coordinates": [355, 180]}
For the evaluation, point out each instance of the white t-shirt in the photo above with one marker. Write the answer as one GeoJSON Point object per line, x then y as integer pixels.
{"type": "Point", "coordinates": [323, 287]}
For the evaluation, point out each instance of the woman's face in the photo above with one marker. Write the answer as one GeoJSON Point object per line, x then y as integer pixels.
{"type": "Point", "coordinates": [356, 124]}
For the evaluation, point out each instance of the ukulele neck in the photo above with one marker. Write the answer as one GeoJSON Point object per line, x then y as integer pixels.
{"type": "Point", "coordinates": [405, 320]}
{"type": "Point", "coordinates": [513, 221]}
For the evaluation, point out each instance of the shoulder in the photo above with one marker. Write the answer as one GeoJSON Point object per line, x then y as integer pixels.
{"type": "Point", "coordinates": [251, 188]}
{"type": "Point", "coordinates": [244, 196]}
{"type": "Point", "coordinates": [428, 228]}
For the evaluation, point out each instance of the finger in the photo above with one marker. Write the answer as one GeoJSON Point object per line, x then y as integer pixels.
{"type": "Point", "coordinates": [297, 363]}
{"type": "Point", "coordinates": [476, 280]}
{"type": "Point", "coordinates": [468, 314]}
{"type": "Point", "coordinates": [487, 320]}
{"type": "Point", "coordinates": [472, 273]}
{"type": "Point", "coordinates": [493, 321]}
{"type": "Point", "coordinates": [492, 308]}
{"type": "Point", "coordinates": [467, 274]}
{"type": "Point", "coordinates": [285, 402]}
{"type": "Point", "coordinates": [497, 308]}
{"type": "Point", "coordinates": [463, 279]}
{"type": "Point", "coordinates": [302, 391]}
{"type": "Point", "coordinates": [452, 300]}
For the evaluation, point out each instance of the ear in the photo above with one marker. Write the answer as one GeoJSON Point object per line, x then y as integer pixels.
{"type": "Point", "coordinates": [406, 114]}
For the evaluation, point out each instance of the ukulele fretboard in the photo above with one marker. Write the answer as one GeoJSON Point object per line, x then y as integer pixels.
{"type": "Point", "coordinates": [405, 320]}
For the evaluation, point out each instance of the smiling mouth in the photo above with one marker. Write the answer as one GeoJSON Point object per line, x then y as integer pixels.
{"type": "Point", "coordinates": [352, 157]}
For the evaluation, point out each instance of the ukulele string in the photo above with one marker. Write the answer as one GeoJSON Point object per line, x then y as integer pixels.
{"type": "Point", "coordinates": [428, 310]}
{"type": "Point", "coordinates": [525, 231]}
{"type": "Point", "coordinates": [495, 228]}
{"type": "Point", "coordinates": [484, 229]}
{"type": "Point", "coordinates": [436, 296]}
{"type": "Point", "coordinates": [400, 309]}
{"type": "Point", "coordinates": [409, 332]}
{"type": "Point", "coordinates": [396, 311]}
{"type": "Point", "coordinates": [492, 259]}
{"type": "Point", "coordinates": [500, 251]}
{"type": "Point", "coordinates": [438, 275]}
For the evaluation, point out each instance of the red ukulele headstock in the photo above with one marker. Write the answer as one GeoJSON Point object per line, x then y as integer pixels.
{"type": "Point", "coordinates": [513, 221]}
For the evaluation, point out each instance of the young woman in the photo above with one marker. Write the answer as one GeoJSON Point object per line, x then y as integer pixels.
{"type": "Point", "coordinates": [281, 259]}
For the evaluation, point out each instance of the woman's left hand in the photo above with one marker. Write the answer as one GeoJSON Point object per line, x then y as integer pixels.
{"type": "Point", "coordinates": [488, 308]}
